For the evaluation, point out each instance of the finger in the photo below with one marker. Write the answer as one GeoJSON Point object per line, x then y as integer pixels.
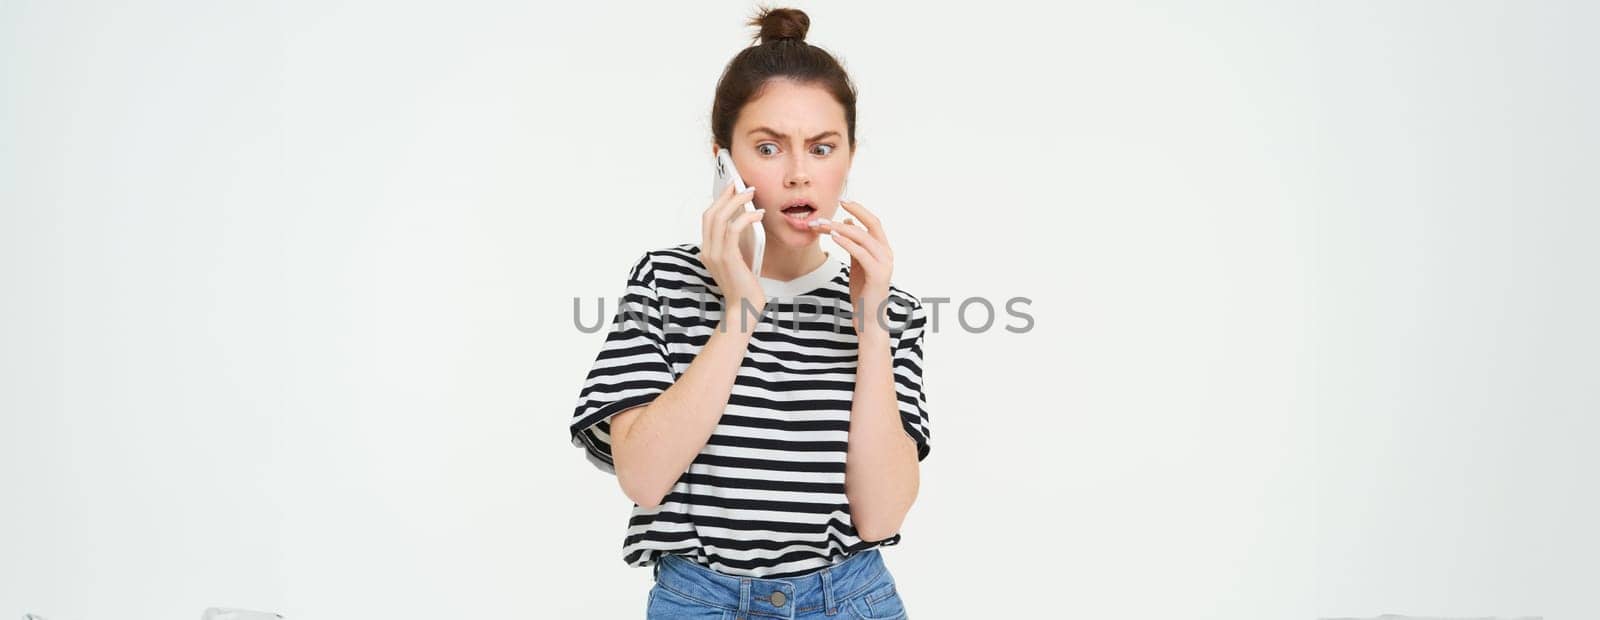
{"type": "Point", "coordinates": [854, 225]}
{"type": "Point", "coordinates": [709, 244]}
{"type": "Point", "coordinates": [743, 211]}
{"type": "Point", "coordinates": [724, 210]}
{"type": "Point", "coordinates": [716, 202]}
{"type": "Point", "coordinates": [716, 226]}
{"type": "Point", "coordinates": [708, 237]}
{"type": "Point", "coordinates": [743, 221]}
{"type": "Point", "coordinates": [730, 239]}
{"type": "Point", "coordinates": [728, 209]}
{"type": "Point", "coordinates": [856, 251]}
{"type": "Point", "coordinates": [725, 214]}
{"type": "Point", "coordinates": [867, 218]}
{"type": "Point", "coordinates": [836, 225]}
{"type": "Point", "coordinates": [877, 243]}
{"type": "Point", "coordinates": [862, 238]}
{"type": "Point", "coordinates": [829, 226]}
{"type": "Point", "coordinates": [720, 203]}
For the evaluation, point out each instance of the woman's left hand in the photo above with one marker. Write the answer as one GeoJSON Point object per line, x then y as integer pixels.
{"type": "Point", "coordinates": [871, 261]}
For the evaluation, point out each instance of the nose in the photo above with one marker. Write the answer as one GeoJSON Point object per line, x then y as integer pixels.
{"type": "Point", "coordinates": [797, 176]}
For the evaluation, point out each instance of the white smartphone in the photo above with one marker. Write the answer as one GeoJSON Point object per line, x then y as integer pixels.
{"type": "Point", "coordinates": [753, 242]}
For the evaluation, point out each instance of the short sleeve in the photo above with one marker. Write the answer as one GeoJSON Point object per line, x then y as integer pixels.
{"type": "Point", "coordinates": [630, 370]}
{"type": "Point", "coordinates": [908, 387]}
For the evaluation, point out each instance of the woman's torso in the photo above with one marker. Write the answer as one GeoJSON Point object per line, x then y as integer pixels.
{"type": "Point", "coordinates": [765, 496]}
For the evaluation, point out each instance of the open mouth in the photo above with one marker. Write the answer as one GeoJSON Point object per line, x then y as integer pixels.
{"type": "Point", "coordinates": [799, 212]}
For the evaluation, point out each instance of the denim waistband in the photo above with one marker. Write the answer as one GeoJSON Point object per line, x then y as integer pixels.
{"type": "Point", "coordinates": [826, 588]}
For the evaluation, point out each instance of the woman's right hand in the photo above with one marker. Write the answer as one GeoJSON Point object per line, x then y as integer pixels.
{"type": "Point", "coordinates": [720, 227]}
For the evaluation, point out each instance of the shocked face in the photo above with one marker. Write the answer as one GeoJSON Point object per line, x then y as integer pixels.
{"type": "Point", "coordinates": [791, 143]}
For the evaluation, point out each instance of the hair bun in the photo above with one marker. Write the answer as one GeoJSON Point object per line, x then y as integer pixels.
{"type": "Point", "coordinates": [780, 24]}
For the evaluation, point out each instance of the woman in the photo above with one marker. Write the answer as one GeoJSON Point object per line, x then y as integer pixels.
{"type": "Point", "coordinates": [768, 452]}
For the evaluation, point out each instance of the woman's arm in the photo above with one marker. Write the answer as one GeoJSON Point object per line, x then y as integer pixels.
{"type": "Point", "coordinates": [652, 445]}
{"type": "Point", "coordinates": [882, 474]}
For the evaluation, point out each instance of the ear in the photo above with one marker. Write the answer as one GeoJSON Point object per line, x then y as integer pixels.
{"type": "Point", "coordinates": [714, 147]}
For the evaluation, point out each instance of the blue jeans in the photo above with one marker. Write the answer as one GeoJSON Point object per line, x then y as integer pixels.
{"type": "Point", "coordinates": [860, 587]}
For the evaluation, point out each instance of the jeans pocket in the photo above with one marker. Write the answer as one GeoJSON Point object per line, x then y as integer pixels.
{"type": "Point", "coordinates": [665, 604]}
{"type": "Point", "coordinates": [880, 603]}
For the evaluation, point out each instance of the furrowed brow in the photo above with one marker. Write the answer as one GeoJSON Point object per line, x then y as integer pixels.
{"type": "Point", "coordinates": [786, 136]}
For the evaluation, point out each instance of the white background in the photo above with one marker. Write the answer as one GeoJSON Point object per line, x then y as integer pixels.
{"type": "Point", "coordinates": [287, 317]}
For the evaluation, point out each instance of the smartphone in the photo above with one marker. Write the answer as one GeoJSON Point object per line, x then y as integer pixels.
{"type": "Point", "coordinates": [753, 241]}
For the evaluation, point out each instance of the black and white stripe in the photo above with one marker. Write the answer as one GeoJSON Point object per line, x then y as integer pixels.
{"type": "Point", "coordinates": [765, 496]}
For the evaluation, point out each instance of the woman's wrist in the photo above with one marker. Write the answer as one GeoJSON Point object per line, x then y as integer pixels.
{"type": "Point", "coordinates": [741, 315]}
{"type": "Point", "coordinates": [872, 313]}
{"type": "Point", "coordinates": [873, 337]}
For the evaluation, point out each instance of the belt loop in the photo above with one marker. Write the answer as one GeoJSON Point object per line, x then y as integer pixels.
{"type": "Point", "coordinates": [831, 606]}
{"type": "Point", "coordinates": [744, 598]}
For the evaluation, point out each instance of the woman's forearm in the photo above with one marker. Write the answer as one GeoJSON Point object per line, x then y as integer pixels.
{"type": "Point", "coordinates": [881, 469]}
{"type": "Point", "coordinates": [654, 444]}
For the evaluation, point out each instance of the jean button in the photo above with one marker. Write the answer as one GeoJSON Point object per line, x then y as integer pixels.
{"type": "Point", "coordinates": [777, 599]}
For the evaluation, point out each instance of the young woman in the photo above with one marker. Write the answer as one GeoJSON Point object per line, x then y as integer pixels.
{"type": "Point", "coordinates": [768, 452]}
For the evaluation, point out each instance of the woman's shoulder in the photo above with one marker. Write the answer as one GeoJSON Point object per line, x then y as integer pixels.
{"type": "Point", "coordinates": [680, 254]}
{"type": "Point", "coordinates": [674, 263]}
{"type": "Point", "coordinates": [682, 250]}
{"type": "Point", "coordinates": [903, 296]}
{"type": "Point", "coordinates": [905, 307]}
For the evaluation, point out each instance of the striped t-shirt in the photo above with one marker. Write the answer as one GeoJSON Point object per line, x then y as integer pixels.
{"type": "Point", "coordinates": [765, 496]}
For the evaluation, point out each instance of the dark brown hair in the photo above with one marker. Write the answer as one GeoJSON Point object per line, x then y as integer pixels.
{"type": "Point", "coordinates": [781, 53]}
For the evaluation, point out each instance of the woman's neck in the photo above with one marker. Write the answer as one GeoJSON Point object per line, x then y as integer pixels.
{"type": "Point", "coordinates": [787, 263]}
